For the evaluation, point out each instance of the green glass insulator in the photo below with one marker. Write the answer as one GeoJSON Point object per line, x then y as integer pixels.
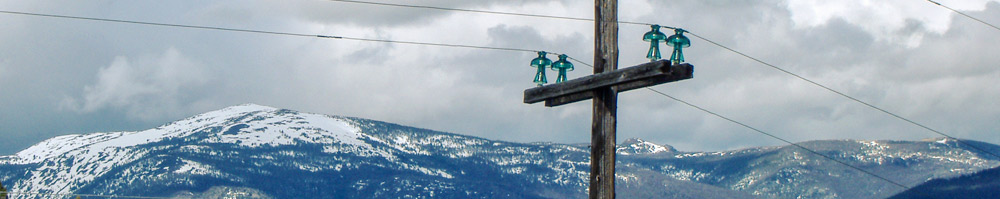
{"type": "Point", "coordinates": [654, 37]}
{"type": "Point", "coordinates": [540, 77]}
{"type": "Point", "coordinates": [562, 66]}
{"type": "Point", "coordinates": [678, 41]}
{"type": "Point", "coordinates": [541, 62]}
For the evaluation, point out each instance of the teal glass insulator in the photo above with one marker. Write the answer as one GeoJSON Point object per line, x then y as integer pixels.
{"type": "Point", "coordinates": [541, 62]}
{"type": "Point", "coordinates": [562, 66]}
{"type": "Point", "coordinates": [654, 37]}
{"type": "Point", "coordinates": [678, 41]}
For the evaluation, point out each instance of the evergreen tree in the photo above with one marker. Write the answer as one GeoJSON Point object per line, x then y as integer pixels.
{"type": "Point", "coordinates": [3, 191]}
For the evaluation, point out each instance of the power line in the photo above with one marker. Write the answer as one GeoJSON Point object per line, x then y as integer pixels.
{"type": "Point", "coordinates": [486, 12]}
{"type": "Point", "coordinates": [846, 96]}
{"type": "Point", "coordinates": [444, 45]}
{"type": "Point", "coordinates": [166, 24]}
{"type": "Point", "coordinates": [963, 14]}
{"type": "Point", "coordinates": [771, 135]}
{"type": "Point", "coordinates": [502, 48]}
{"type": "Point", "coordinates": [529, 50]}
{"type": "Point", "coordinates": [722, 46]}
{"type": "Point", "coordinates": [710, 41]}
{"type": "Point", "coordinates": [274, 32]}
{"type": "Point", "coordinates": [779, 138]}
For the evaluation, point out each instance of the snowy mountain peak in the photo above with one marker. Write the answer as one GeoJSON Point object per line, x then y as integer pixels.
{"type": "Point", "coordinates": [941, 140]}
{"type": "Point", "coordinates": [90, 155]}
{"type": "Point", "coordinates": [635, 146]}
{"type": "Point", "coordinates": [252, 125]}
{"type": "Point", "coordinates": [245, 125]}
{"type": "Point", "coordinates": [280, 152]}
{"type": "Point", "coordinates": [234, 110]}
{"type": "Point", "coordinates": [246, 108]}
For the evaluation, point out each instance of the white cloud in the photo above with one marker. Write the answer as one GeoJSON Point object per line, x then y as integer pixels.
{"type": "Point", "coordinates": [150, 87]}
{"type": "Point", "coordinates": [902, 21]}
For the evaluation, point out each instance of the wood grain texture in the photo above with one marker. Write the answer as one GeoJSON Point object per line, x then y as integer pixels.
{"type": "Point", "coordinates": [602, 152]}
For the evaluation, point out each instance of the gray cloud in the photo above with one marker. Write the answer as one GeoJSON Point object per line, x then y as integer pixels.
{"type": "Point", "coordinates": [147, 88]}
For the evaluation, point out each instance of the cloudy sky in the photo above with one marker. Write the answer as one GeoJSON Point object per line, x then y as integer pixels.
{"type": "Point", "coordinates": [64, 76]}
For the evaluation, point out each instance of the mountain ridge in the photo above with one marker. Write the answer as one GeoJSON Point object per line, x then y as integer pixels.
{"type": "Point", "coordinates": [244, 146]}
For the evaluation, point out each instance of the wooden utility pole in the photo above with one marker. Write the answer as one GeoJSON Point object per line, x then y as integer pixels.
{"type": "Point", "coordinates": [602, 138]}
{"type": "Point", "coordinates": [603, 86]}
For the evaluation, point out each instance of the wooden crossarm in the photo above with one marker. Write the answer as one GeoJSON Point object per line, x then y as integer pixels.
{"type": "Point", "coordinates": [579, 89]}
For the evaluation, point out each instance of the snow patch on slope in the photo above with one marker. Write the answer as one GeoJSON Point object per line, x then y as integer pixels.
{"type": "Point", "coordinates": [63, 144]}
{"type": "Point", "coordinates": [635, 146]}
{"type": "Point", "coordinates": [57, 146]}
{"type": "Point", "coordinates": [271, 129]}
{"type": "Point", "coordinates": [192, 167]}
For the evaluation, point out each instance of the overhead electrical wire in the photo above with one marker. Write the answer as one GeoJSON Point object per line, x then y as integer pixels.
{"type": "Point", "coordinates": [464, 46]}
{"type": "Point", "coordinates": [963, 14]}
{"type": "Point", "coordinates": [848, 96]}
{"type": "Point", "coordinates": [444, 45]}
{"type": "Point", "coordinates": [771, 135]}
{"type": "Point", "coordinates": [483, 11]}
{"type": "Point", "coordinates": [270, 32]}
{"type": "Point", "coordinates": [529, 50]}
{"type": "Point", "coordinates": [782, 139]}
{"type": "Point", "coordinates": [431, 44]}
{"type": "Point", "coordinates": [724, 47]}
{"type": "Point", "coordinates": [165, 24]}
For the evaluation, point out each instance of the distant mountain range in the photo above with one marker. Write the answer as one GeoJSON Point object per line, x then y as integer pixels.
{"type": "Point", "coordinates": [254, 151]}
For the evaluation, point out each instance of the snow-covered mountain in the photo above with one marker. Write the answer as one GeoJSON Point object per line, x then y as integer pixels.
{"type": "Point", "coordinates": [258, 151]}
